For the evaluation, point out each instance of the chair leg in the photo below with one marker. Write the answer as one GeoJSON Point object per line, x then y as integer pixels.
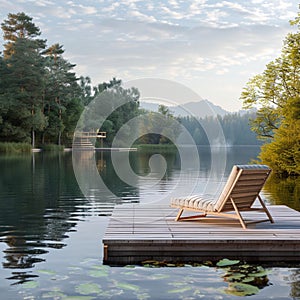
{"type": "Point", "coordinates": [179, 217]}
{"type": "Point", "coordinates": [238, 214]}
{"type": "Point", "coordinates": [179, 214]}
{"type": "Point", "coordinates": [265, 209]}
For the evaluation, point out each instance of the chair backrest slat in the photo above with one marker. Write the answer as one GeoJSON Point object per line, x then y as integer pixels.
{"type": "Point", "coordinates": [243, 185]}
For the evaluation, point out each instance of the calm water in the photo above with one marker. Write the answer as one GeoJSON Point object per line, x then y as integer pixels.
{"type": "Point", "coordinates": [51, 235]}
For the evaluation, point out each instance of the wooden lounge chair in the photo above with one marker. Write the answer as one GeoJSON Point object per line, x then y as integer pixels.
{"type": "Point", "coordinates": [239, 193]}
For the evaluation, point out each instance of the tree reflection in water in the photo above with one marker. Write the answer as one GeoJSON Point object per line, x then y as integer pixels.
{"type": "Point", "coordinates": [283, 191]}
{"type": "Point", "coordinates": [294, 278]}
{"type": "Point", "coordinates": [39, 201]}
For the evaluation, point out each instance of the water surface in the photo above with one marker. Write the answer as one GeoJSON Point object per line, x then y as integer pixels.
{"type": "Point", "coordinates": [51, 235]}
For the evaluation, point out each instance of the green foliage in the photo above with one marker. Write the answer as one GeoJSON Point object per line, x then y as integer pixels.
{"type": "Point", "coordinates": [86, 90]}
{"type": "Point", "coordinates": [225, 262]}
{"type": "Point", "coordinates": [235, 127]}
{"type": "Point", "coordinates": [158, 127]}
{"type": "Point", "coordinates": [40, 99]}
{"type": "Point", "coordinates": [111, 109]}
{"type": "Point", "coordinates": [284, 191]}
{"type": "Point", "coordinates": [19, 26]}
{"type": "Point", "coordinates": [283, 153]}
{"type": "Point", "coordinates": [59, 94]}
{"type": "Point", "coordinates": [276, 94]}
{"type": "Point", "coordinates": [52, 147]}
{"type": "Point", "coordinates": [156, 148]}
{"type": "Point", "coordinates": [21, 97]}
{"type": "Point", "coordinates": [15, 148]}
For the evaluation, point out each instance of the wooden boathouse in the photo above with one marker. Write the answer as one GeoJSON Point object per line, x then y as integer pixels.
{"type": "Point", "coordinates": [85, 140]}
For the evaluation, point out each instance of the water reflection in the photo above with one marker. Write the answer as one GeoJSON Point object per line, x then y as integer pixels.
{"type": "Point", "coordinates": [41, 206]}
{"type": "Point", "coordinates": [38, 206]}
{"type": "Point", "coordinates": [294, 279]}
{"type": "Point", "coordinates": [19, 255]}
{"type": "Point", "coordinates": [284, 191]}
{"type": "Point", "coordinates": [140, 163]}
{"type": "Point", "coordinates": [121, 192]}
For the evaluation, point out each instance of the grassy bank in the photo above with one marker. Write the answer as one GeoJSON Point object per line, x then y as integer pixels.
{"type": "Point", "coordinates": [15, 147]}
{"type": "Point", "coordinates": [52, 147]}
{"type": "Point", "coordinates": [156, 148]}
{"type": "Point", "coordinates": [6, 147]}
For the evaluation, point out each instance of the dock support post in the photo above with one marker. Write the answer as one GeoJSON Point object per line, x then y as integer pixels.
{"type": "Point", "coordinates": [105, 252]}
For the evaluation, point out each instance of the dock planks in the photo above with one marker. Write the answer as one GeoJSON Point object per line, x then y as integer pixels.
{"type": "Point", "coordinates": [138, 232]}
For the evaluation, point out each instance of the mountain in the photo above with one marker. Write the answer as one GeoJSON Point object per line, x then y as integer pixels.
{"type": "Point", "coordinates": [149, 106]}
{"type": "Point", "coordinates": [198, 109]}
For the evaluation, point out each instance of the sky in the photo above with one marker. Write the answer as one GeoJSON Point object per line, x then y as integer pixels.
{"type": "Point", "coordinates": [211, 47]}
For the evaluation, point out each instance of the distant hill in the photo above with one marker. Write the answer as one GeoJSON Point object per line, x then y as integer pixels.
{"type": "Point", "coordinates": [198, 109]}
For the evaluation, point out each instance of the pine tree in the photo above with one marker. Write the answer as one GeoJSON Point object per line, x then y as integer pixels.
{"type": "Point", "coordinates": [22, 98]}
{"type": "Point", "coordinates": [61, 89]}
{"type": "Point", "coordinates": [19, 26]}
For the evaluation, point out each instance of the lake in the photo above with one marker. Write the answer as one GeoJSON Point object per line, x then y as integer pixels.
{"type": "Point", "coordinates": [52, 221]}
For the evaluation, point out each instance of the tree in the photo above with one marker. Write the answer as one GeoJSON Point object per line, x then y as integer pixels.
{"type": "Point", "coordinates": [19, 26]}
{"type": "Point", "coordinates": [112, 107]}
{"type": "Point", "coordinates": [120, 114]}
{"type": "Point", "coordinates": [70, 116]}
{"type": "Point", "coordinates": [283, 153]}
{"type": "Point", "coordinates": [158, 127]}
{"type": "Point", "coordinates": [40, 99]}
{"type": "Point", "coordinates": [86, 94]}
{"type": "Point", "coordinates": [61, 89]}
{"type": "Point", "coordinates": [21, 98]}
{"type": "Point", "coordinates": [276, 94]}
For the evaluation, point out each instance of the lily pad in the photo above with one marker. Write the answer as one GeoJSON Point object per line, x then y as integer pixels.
{"type": "Point", "coordinates": [98, 273]}
{"type": "Point", "coordinates": [159, 276]}
{"type": "Point", "coordinates": [78, 298]}
{"type": "Point", "coordinates": [30, 284]}
{"type": "Point", "coordinates": [128, 286]}
{"type": "Point", "coordinates": [47, 272]}
{"type": "Point", "coordinates": [227, 262]}
{"type": "Point", "coordinates": [143, 296]}
{"type": "Point", "coordinates": [53, 295]}
{"type": "Point", "coordinates": [241, 289]}
{"type": "Point", "coordinates": [177, 283]}
{"type": "Point", "coordinates": [101, 267]}
{"type": "Point", "coordinates": [171, 265]}
{"type": "Point", "coordinates": [182, 290]}
{"type": "Point", "coordinates": [233, 277]}
{"type": "Point", "coordinates": [88, 288]}
{"type": "Point", "coordinates": [259, 274]}
{"type": "Point", "coordinates": [248, 279]}
{"type": "Point", "coordinates": [74, 268]}
{"type": "Point", "coordinates": [130, 273]}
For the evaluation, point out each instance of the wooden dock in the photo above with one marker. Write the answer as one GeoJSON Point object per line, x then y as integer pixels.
{"type": "Point", "coordinates": [139, 232]}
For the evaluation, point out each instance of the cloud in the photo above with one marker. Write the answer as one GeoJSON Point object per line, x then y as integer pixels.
{"type": "Point", "coordinates": [202, 42]}
{"type": "Point", "coordinates": [111, 8]}
{"type": "Point", "coordinates": [169, 13]}
{"type": "Point", "coordinates": [193, 52]}
{"type": "Point", "coordinates": [7, 6]}
{"type": "Point", "coordinates": [215, 16]}
{"type": "Point", "coordinates": [44, 3]}
{"type": "Point", "coordinates": [142, 17]}
{"type": "Point", "coordinates": [88, 10]}
{"type": "Point", "coordinates": [222, 71]}
{"type": "Point", "coordinates": [82, 9]}
{"type": "Point", "coordinates": [63, 13]}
